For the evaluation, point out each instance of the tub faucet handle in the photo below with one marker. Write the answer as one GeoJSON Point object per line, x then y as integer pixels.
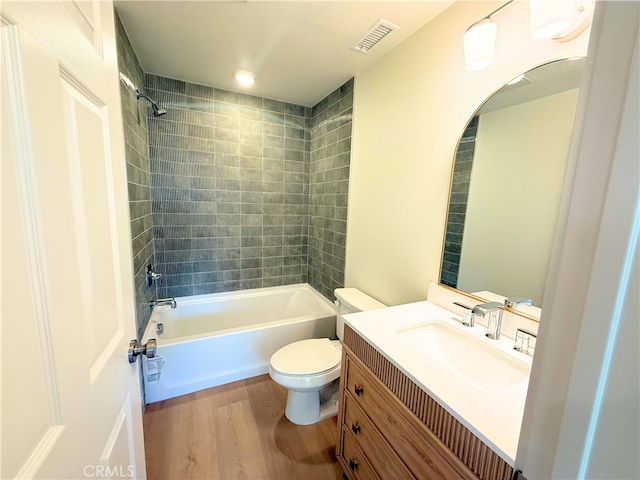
{"type": "Point", "coordinates": [151, 275]}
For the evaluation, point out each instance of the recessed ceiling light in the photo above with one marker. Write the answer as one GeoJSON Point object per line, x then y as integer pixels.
{"type": "Point", "coordinates": [519, 78]}
{"type": "Point", "coordinates": [244, 78]}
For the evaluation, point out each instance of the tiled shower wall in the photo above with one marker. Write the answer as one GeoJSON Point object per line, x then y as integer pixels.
{"type": "Point", "coordinates": [230, 189]}
{"type": "Point", "coordinates": [134, 114]}
{"type": "Point", "coordinates": [463, 163]}
{"type": "Point", "coordinates": [246, 192]}
{"type": "Point", "coordinates": [329, 188]}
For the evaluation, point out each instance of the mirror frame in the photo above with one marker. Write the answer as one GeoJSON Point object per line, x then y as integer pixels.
{"type": "Point", "coordinates": [453, 165]}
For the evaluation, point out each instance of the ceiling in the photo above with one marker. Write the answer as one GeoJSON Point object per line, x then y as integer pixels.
{"type": "Point", "coordinates": [548, 79]}
{"type": "Point", "coordinates": [297, 49]}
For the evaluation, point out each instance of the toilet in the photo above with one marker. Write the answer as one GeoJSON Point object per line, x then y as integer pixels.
{"type": "Point", "coordinates": [310, 369]}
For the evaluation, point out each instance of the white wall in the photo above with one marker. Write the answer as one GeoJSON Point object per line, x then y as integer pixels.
{"type": "Point", "coordinates": [520, 156]}
{"type": "Point", "coordinates": [410, 108]}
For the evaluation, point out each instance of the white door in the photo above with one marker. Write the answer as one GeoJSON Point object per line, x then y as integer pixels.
{"type": "Point", "coordinates": [71, 405]}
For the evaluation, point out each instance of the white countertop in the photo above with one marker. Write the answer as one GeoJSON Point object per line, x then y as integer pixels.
{"type": "Point", "coordinates": [494, 417]}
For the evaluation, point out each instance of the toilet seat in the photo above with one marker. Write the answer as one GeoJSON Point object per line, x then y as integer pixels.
{"type": "Point", "coordinates": [306, 357]}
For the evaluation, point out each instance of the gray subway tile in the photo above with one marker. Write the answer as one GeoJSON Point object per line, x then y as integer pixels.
{"type": "Point", "coordinates": [234, 201]}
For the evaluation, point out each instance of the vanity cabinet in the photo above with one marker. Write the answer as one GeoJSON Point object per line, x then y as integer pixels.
{"type": "Point", "coordinates": [383, 435]}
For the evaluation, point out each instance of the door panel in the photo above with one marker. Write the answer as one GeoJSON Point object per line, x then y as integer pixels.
{"type": "Point", "coordinates": [25, 391]}
{"type": "Point", "coordinates": [91, 187]}
{"type": "Point", "coordinates": [117, 452]}
{"type": "Point", "coordinates": [71, 401]}
{"type": "Point", "coordinates": [86, 17]}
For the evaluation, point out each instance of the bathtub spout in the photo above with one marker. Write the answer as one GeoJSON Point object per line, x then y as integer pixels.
{"type": "Point", "coordinates": [163, 301]}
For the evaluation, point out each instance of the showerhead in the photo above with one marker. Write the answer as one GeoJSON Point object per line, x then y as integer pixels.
{"type": "Point", "coordinates": [157, 110]}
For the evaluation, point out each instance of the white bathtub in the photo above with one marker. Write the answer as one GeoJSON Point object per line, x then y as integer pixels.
{"type": "Point", "coordinates": [210, 340]}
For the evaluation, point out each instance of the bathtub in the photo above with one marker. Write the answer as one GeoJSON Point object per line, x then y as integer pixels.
{"type": "Point", "coordinates": [210, 340]}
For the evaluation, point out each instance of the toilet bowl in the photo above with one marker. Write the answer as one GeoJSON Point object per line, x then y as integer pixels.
{"type": "Point", "coordinates": [310, 369]}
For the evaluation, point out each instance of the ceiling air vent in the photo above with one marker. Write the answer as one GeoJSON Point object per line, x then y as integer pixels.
{"type": "Point", "coordinates": [377, 32]}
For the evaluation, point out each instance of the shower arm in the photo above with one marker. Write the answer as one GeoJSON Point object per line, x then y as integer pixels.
{"type": "Point", "coordinates": [140, 95]}
{"type": "Point", "coordinates": [157, 110]}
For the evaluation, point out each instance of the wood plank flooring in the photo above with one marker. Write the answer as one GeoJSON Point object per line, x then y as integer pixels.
{"type": "Point", "coordinates": [236, 431]}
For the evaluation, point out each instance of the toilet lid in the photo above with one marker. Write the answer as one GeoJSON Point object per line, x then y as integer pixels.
{"type": "Point", "coordinates": [306, 357]}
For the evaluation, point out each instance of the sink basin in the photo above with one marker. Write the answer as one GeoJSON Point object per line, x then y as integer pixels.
{"type": "Point", "coordinates": [474, 359]}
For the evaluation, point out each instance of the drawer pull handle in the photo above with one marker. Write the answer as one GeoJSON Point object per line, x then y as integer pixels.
{"type": "Point", "coordinates": [358, 390]}
{"type": "Point", "coordinates": [353, 464]}
{"type": "Point", "coordinates": [356, 428]}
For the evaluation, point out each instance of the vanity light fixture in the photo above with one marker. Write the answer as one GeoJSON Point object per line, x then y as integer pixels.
{"type": "Point", "coordinates": [244, 78]}
{"type": "Point", "coordinates": [549, 18]}
{"type": "Point", "coordinates": [479, 44]}
{"type": "Point", "coordinates": [480, 41]}
{"type": "Point", "coordinates": [560, 20]}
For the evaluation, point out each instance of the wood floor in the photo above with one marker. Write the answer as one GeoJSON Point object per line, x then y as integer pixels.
{"type": "Point", "coordinates": [236, 431]}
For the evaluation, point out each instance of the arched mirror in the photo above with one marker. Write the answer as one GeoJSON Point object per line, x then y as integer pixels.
{"type": "Point", "coordinates": [507, 182]}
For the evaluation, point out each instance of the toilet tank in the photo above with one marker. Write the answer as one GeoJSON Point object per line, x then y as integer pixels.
{"type": "Point", "coordinates": [351, 300]}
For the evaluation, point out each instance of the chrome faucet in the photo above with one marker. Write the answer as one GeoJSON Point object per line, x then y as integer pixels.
{"type": "Point", "coordinates": [468, 318]}
{"type": "Point", "coordinates": [523, 338]}
{"type": "Point", "coordinates": [163, 301]}
{"type": "Point", "coordinates": [492, 311]}
{"type": "Point", "coordinates": [514, 302]}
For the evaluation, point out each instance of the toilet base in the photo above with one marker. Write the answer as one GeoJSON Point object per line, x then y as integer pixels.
{"type": "Point", "coordinates": [305, 408]}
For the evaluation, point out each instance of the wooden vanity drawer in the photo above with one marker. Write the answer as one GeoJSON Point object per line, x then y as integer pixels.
{"type": "Point", "coordinates": [377, 451]}
{"type": "Point", "coordinates": [423, 453]}
{"type": "Point", "coordinates": [356, 465]}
